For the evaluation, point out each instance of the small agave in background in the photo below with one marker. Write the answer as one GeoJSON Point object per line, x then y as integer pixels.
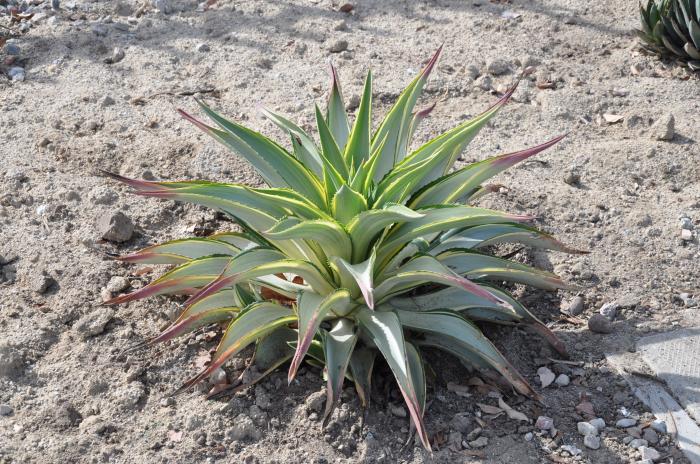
{"type": "Point", "coordinates": [360, 249]}
{"type": "Point", "coordinates": [672, 28]}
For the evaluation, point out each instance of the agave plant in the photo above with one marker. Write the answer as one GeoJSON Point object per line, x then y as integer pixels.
{"type": "Point", "coordinates": [672, 27]}
{"type": "Point", "coordinates": [359, 247]}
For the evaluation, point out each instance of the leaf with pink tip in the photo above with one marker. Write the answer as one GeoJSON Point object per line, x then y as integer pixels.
{"type": "Point", "coordinates": [181, 251]}
{"type": "Point", "coordinates": [394, 132]}
{"type": "Point", "coordinates": [386, 332]}
{"type": "Point", "coordinates": [455, 186]}
{"type": "Point", "coordinates": [253, 323]}
{"type": "Point", "coordinates": [454, 327]}
{"type": "Point", "coordinates": [336, 117]}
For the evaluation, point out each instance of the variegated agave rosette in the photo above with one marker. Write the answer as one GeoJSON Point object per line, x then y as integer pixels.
{"type": "Point", "coordinates": [672, 28]}
{"type": "Point", "coordinates": [359, 247]}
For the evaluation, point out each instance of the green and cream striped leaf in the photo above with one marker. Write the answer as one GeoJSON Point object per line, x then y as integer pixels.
{"type": "Point", "coordinates": [477, 266]}
{"type": "Point", "coordinates": [181, 251]}
{"type": "Point", "coordinates": [451, 325]}
{"type": "Point", "coordinates": [338, 344]}
{"type": "Point", "coordinates": [312, 309]}
{"type": "Point", "coordinates": [330, 235]}
{"type": "Point", "coordinates": [386, 331]}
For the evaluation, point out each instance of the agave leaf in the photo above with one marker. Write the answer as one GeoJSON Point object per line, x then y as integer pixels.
{"type": "Point", "coordinates": [364, 177]}
{"type": "Point", "coordinates": [424, 269]}
{"type": "Point", "coordinates": [252, 268]}
{"type": "Point", "coordinates": [452, 187]}
{"type": "Point", "coordinates": [492, 234]}
{"type": "Point", "coordinates": [387, 334]}
{"type": "Point", "coordinates": [331, 151]}
{"type": "Point", "coordinates": [239, 240]}
{"type": "Point", "coordinates": [451, 325]}
{"type": "Point", "coordinates": [358, 276]}
{"type": "Point", "coordinates": [255, 322]}
{"type": "Point", "coordinates": [415, 247]}
{"type": "Point", "coordinates": [358, 148]}
{"type": "Point", "coordinates": [347, 203]}
{"type": "Point", "coordinates": [396, 128]}
{"type": "Point", "coordinates": [183, 279]}
{"type": "Point", "coordinates": [190, 321]}
{"type": "Point", "coordinates": [417, 373]}
{"type": "Point", "coordinates": [275, 165]}
{"type": "Point", "coordinates": [308, 152]}
{"type": "Point", "coordinates": [313, 309]}
{"type": "Point", "coordinates": [223, 299]}
{"type": "Point", "coordinates": [448, 146]}
{"type": "Point", "coordinates": [694, 30]}
{"type": "Point", "coordinates": [181, 251]}
{"type": "Point", "coordinates": [338, 345]}
{"type": "Point", "coordinates": [361, 366]}
{"type": "Point", "coordinates": [336, 116]}
{"type": "Point", "coordinates": [476, 266]}
{"type": "Point", "coordinates": [366, 225]}
{"type": "Point", "coordinates": [439, 219]}
{"type": "Point", "coordinates": [479, 309]}
{"type": "Point", "coordinates": [406, 137]}
{"type": "Point", "coordinates": [328, 234]}
{"type": "Point", "coordinates": [459, 350]}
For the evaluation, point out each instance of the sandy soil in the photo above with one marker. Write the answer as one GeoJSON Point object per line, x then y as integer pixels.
{"type": "Point", "coordinates": [71, 396]}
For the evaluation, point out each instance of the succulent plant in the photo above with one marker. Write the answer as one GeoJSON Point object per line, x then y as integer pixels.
{"type": "Point", "coordinates": [359, 247]}
{"type": "Point", "coordinates": [672, 27]}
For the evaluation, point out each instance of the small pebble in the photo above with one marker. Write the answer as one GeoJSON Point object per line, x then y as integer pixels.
{"type": "Point", "coordinates": [609, 310]}
{"type": "Point", "coordinates": [562, 380]}
{"type": "Point", "coordinates": [117, 284]}
{"type": "Point", "coordinates": [338, 46]}
{"type": "Point", "coordinates": [167, 401]}
{"type": "Point", "coordinates": [591, 441]}
{"type": "Point", "coordinates": [638, 443]}
{"type": "Point", "coordinates": [651, 436]}
{"type": "Point", "coordinates": [117, 56]}
{"type": "Point", "coordinates": [649, 453]}
{"type": "Point", "coordinates": [16, 74]}
{"type": "Point", "coordinates": [203, 48]}
{"type": "Point", "coordinates": [575, 307]}
{"type": "Point", "coordinates": [116, 227]}
{"type": "Point", "coordinates": [479, 442]}
{"type": "Point", "coordinates": [659, 426]}
{"type": "Point", "coordinates": [398, 410]}
{"type": "Point", "coordinates": [663, 128]}
{"type": "Point", "coordinates": [544, 423]}
{"type": "Point", "coordinates": [572, 178]}
{"type": "Point", "coordinates": [586, 428]}
{"type": "Point", "coordinates": [598, 423]}
{"type": "Point", "coordinates": [571, 449]}
{"type": "Point", "coordinates": [600, 324]}
{"type": "Point", "coordinates": [498, 67]}
{"type": "Point", "coordinates": [12, 49]}
{"type": "Point", "coordinates": [106, 101]}
{"type": "Point", "coordinates": [5, 410]}
{"type": "Point", "coordinates": [626, 423]}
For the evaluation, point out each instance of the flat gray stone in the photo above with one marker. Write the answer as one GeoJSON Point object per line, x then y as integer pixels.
{"type": "Point", "coordinates": [673, 356]}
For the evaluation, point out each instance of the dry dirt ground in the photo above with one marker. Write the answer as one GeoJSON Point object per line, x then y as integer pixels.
{"type": "Point", "coordinates": [67, 394]}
